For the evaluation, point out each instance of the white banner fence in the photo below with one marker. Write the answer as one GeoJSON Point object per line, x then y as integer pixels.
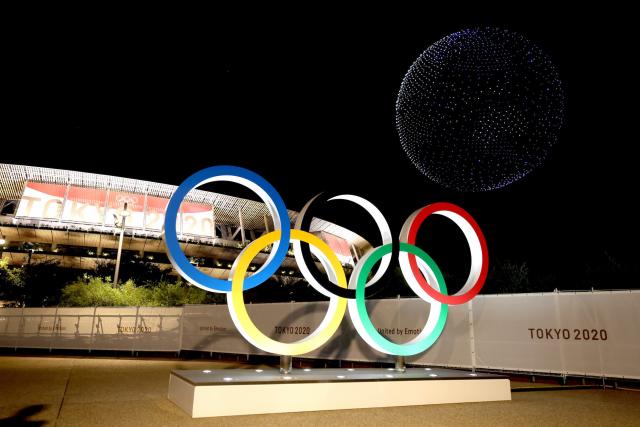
{"type": "Point", "coordinates": [92, 328]}
{"type": "Point", "coordinates": [582, 333]}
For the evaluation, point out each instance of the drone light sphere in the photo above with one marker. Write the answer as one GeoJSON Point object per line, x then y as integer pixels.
{"type": "Point", "coordinates": [479, 109]}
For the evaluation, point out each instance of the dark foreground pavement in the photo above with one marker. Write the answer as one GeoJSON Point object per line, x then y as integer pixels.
{"type": "Point", "coordinates": [67, 391]}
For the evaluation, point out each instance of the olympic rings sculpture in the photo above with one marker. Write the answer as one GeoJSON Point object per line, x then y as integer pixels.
{"type": "Point", "coordinates": [419, 270]}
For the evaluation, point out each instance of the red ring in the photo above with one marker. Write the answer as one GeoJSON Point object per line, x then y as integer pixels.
{"type": "Point", "coordinates": [411, 239]}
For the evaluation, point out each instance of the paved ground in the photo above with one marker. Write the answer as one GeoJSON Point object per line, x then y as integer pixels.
{"type": "Point", "coordinates": [120, 392]}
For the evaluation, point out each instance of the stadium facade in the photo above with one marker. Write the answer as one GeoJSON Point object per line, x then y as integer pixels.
{"type": "Point", "coordinates": [75, 218]}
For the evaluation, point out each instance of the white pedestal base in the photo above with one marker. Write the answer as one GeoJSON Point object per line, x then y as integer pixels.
{"type": "Point", "coordinates": [243, 392]}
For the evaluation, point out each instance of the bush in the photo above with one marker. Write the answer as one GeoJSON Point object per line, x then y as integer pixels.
{"type": "Point", "coordinates": [167, 294]}
{"type": "Point", "coordinates": [91, 291]}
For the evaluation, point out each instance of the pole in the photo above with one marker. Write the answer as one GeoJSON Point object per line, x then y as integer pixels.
{"type": "Point", "coordinates": [286, 363]}
{"type": "Point", "coordinates": [124, 220]}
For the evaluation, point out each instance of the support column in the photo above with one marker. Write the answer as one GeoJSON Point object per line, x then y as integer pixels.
{"type": "Point", "coordinates": [472, 337]}
{"type": "Point", "coordinates": [144, 211]}
{"type": "Point", "coordinates": [354, 251]}
{"type": "Point", "coordinates": [213, 221]}
{"type": "Point", "coordinates": [106, 206]}
{"type": "Point", "coordinates": [266, 223]}
{"type": "Point", "coordinates": [64, 201]}
{"type": "Point", "coordinates": [241, 226]}
{"type": "Point", "coordinates": [286, 363]}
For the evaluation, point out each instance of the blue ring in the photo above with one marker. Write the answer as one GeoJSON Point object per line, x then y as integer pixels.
{"type": "Point", "coordinates": [178, 258]}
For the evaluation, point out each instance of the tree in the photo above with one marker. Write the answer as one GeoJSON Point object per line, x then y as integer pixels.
{"type": "Point", "coordinates": [131, 268]}
{"type": "Point", "coordinates": [508, 277]}
{"type": "Point", "coordinates": [42, 283]}
{"type": "Point", "coordinates": [11, 283]}
{"type": "Point", "coordinates": [35, 284]}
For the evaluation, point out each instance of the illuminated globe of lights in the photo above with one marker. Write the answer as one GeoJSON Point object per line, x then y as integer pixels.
{"type": "Point", "coordinates": [479, 109]}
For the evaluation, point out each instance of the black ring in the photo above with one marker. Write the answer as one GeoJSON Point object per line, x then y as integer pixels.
{"type": "Point", "coordinates": [305, 250]}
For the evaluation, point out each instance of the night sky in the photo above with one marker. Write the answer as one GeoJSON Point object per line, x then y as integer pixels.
{"type": "Point", "coordinates": [309, 104]}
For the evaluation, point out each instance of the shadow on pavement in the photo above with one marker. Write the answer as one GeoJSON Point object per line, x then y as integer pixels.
{"type": "Point", "coordinates": [20, 417]}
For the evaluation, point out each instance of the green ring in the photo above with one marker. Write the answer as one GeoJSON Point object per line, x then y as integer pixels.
{"type": "Point", "coordinates": [391, 347]}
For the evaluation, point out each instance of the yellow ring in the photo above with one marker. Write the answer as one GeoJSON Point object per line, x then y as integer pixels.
{"type": "Point", "coordinates": [240, 316]}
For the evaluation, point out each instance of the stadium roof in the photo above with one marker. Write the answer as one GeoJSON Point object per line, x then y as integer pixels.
{"type": "Point", "coordinates": [14, 177]}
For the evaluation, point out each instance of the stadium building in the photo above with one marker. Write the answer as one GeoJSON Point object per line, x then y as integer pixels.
{"type": "Point", "coordinates": [76, 219]}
